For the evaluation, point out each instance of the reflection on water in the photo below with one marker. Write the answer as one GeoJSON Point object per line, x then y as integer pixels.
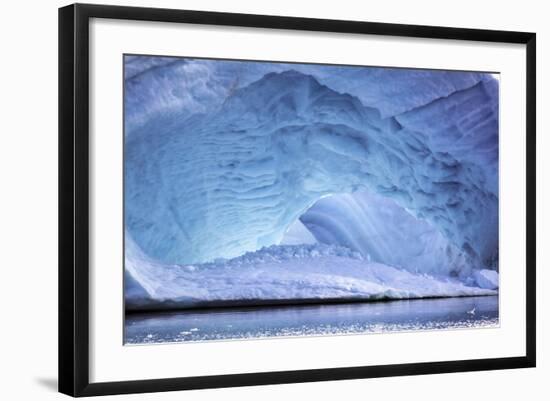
{"type": "Point", "coordinates": [311, 320]}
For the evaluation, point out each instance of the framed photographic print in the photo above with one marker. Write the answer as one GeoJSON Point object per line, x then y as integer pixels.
{"type": "Point", "coordinates": [249, 199]}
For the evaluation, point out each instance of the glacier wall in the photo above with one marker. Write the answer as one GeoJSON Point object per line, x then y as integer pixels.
{"type": "Point", "coordinates": [222, 158]}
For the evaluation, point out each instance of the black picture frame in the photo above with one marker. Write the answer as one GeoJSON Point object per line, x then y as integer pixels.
{"type": "Point", "coordinates": [74, 199]}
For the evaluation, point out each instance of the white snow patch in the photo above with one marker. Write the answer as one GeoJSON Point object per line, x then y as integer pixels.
{"type": "Point", "coordinates": [289, 272]}
{"type": "Point", "coordinates": [486, 279]}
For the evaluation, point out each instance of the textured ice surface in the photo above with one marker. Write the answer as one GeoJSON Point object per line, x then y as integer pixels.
{"type": "Point", "coordinates": [233, 180]}
{"type": "Point", "coordinates": [187, 86]}
{"type": "Point", "coordinates": [224, 158]}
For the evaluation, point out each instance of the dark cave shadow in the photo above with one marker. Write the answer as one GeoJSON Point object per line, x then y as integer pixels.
{"type": "Point", "coordinates": [49, 383]}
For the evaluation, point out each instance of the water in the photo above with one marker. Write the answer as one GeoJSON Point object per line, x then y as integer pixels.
{"type": "Point", "coordinates": [311, 320]}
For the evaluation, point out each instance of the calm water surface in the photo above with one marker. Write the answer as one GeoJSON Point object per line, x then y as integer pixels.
{"type": "Point", "coordinates": [311, 320]}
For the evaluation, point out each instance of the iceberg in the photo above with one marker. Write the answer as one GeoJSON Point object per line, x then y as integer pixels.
{"type": "Point", "coordinates": [391, 174]}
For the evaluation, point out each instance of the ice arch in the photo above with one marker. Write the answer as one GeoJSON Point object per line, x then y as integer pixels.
{"type": "Point", "coordinates": [383, 232]}
{"type": "Point", "coordinates": [233, 179]}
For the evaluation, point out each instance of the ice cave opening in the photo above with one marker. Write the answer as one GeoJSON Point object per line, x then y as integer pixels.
{"type": "Point", "coordinates": [380, 230]}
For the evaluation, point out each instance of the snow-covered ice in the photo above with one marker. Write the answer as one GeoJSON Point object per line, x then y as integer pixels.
{"type": "Point", "coordinates": [280, 273]}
